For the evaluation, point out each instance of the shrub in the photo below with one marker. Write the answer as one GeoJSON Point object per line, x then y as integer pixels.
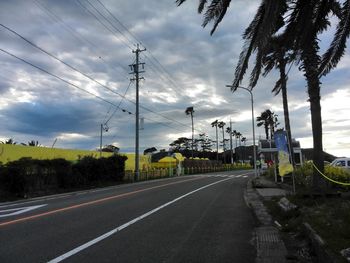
{"type": "Point", "coordinates": [303, 175]}
{"type": "Point", "coordinates": [29, 176]}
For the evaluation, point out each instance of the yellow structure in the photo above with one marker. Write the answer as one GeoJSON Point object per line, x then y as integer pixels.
{"type": "Point", "coordinates": [11, 152]}
{"type": "Point", "coordinates": [169, 161]}
{"type": "Point", "coordinates": [145, 161]}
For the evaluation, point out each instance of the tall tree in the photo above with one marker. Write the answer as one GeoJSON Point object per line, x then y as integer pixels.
{"type": "Point", "coordinates": [244, 139]}
{"type": "Point", "coordinates": [221, 125]}
{"type": "Point", "coordinates": [230, 132]}
{"type": "Point", "coordinates": [264, 120]}
{"type": "Point", "coordinates": [215, 124]}
{"type": "Point", "coordinates": [190, 111]}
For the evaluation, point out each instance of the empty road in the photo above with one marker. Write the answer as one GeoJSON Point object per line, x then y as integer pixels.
{"type": "Point", "coordinates": [198, 218]}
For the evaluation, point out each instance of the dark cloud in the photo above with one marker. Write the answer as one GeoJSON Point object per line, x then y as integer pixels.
{"type": "Point", "coordinates": [47, 119]}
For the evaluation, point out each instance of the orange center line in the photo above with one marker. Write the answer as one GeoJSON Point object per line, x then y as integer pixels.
{"type": "Point", "coordinates": [91, 203]}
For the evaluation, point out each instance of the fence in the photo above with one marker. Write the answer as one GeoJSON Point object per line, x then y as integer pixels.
{"type": "Point", "coordinates": [151, 174]}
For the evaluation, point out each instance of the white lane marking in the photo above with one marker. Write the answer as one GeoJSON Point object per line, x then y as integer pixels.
{"type": "Point", "coordinates": [245, 176]}
{"type": "Point", "coordinates": [18, 210]}
{"type": "Point", "coordinates": [237, 176]}
{"type": "Point", "coordinates": [119, 228]}
{"type": "Point", "coordinates": [35, 201]}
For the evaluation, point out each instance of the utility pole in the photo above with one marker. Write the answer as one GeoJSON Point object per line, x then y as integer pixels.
{"type": "Point", "coordinates": [103, 128]}
{"type": "Point", "coordinates": [135, 70]}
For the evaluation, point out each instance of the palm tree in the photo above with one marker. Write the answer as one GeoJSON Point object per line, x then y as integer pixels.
{"type": "Point", "coordinates": [215, 124]}
{"type": "Point", "coordinates": [234, 133]}
{"type": "Point", "coordinates": [238, 136]}
{"type": "Point", "coordinates": [264, 119]}
{"type": "Point", "coordinates": [190, 111]}
{"type": "Point", "coordinates": [302, 26]}
{"type": "Point", "coordinates": [221, 125]}
{"type": "Point", "coordinates": [244, 139]}
{"type": "Point", "coordinates": [229, 131]}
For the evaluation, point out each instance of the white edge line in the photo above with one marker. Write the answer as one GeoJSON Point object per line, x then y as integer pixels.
{"type": "Point", "coordinates": [113, 231]}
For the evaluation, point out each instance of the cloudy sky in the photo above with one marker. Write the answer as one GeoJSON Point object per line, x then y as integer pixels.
{"type": "Point", "coordinates": [184, 66]}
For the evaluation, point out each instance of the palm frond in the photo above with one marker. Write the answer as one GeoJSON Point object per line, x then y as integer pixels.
{"type": "Point", "coordinates": [179, 2]}
{"type": "Point", "coordinates": [267, 21]}
{"type": "Point", "coordinates": [250, 35]}
{"type": "Point", "coordinates": [276, 90]}
{"type": "Point", "coordinates": [337, 47]}
{"type": "Point", "coordinates": [215, 11]}
{"type": "Point", "coordinates": [201, 5]}
{"type": "Point", "coordinates": [255, 74]}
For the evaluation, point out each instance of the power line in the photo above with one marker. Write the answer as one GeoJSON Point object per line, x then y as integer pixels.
{"type": "Point", "coordinates": [87, 76]}
{"type": "Point", "coordinates": [160, 68]}
{"type": "Point", "coordinates": [57, 77]}
{"type": "Point", "coordinates": [60, 60]}
{"type": "Point", "coordinates": [75, 86]}
{"type": "Point", "coordinates": [171, 81]}
{"type": "Point", "coordinates": [100, 21]}
{"type": "Point", "coordinates": [72, 31]}
{"type": "Point", "coordinates": [120, 102]}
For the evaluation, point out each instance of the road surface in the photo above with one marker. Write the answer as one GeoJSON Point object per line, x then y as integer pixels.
{"type": "Point", "coordinates": [199, 218]}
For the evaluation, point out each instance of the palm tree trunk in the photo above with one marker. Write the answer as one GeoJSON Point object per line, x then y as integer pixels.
{"type": "Point", "coordinates": [223, 144]}
{"type": "Point", "coordinates": [266, 130]}
{"type": "Point", "coordinates": [217, 144]}
{"type": "Point", "coordinates": [283, 77]}
{"type": "Point", "coordinates": [192, 134]}
{"type": "Point", "coordinates": [311, 74]}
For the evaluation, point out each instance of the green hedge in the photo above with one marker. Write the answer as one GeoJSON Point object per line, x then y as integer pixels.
{"type": "Point", "coordinates": [31, 177]}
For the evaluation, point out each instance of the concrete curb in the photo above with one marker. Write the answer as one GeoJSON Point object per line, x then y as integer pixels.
{"type": "Point", "coordinates": [269, 245]}
{"type": "Point", "coordinates": [318, 245]}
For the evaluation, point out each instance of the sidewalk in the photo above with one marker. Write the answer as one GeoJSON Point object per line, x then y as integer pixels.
{"type": "Point", "coordinates": [270, 246]}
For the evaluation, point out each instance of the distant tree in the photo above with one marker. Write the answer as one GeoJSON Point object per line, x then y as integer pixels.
{"type": "Point", "coordinates": [215, 124]}
{"type": "Point", "coordinates": [181, 144]}
{"type": "Point", "coordinates": [9, 141]}
{"type": "Point", "coordinates": [33, 143]}
{"type": "Point", "coordinates": [150, 150]}
{"type": "Point", "coordinates": [110, 148]}
{"type": "Point", "coordinates": [206, 143]}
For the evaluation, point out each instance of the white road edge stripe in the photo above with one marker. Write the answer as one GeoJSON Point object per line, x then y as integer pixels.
{"type": "Point", "coordinates": [108, 234]}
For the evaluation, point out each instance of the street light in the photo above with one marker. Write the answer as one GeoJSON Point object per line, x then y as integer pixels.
{"type": "Point", "coordinates": [253, 125]}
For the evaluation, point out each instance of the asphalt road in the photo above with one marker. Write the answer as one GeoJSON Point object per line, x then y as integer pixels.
{"type": "Point", "coordinates": [201, 218]}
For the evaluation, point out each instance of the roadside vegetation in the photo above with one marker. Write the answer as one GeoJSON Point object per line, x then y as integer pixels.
{"type": "Point", "coordinates": [29, 177]}
{"type": "Point", "coordinates": [328, 215]}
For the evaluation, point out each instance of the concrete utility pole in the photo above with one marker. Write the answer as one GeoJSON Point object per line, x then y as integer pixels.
{"type": "Point", "coordinates": [136, 71]}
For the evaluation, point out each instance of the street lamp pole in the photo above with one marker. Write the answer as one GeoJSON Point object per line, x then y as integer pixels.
{"type": "Point", "coordinates": [253, 125]}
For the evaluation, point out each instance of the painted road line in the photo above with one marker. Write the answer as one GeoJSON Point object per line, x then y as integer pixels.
{"type": "Point", "coordinates": [119, 228]}
{"type": "Point", "coordinates": [36, 200]}
{"type": "Point", "coordinates": [92, 202]}
{"type": "Point", "coordinates": [237, 176]}
{"type": "Point", "coordinates": [18, 210]}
